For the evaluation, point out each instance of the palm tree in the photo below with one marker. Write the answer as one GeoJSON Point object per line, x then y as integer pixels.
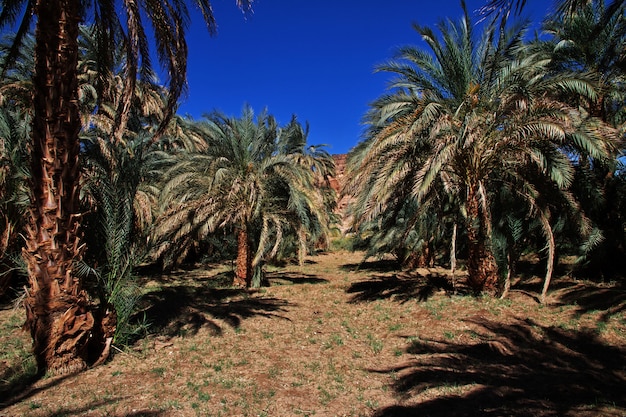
{"type": "Point", "coordinates": [68, 331]}
{"type": "Point", "coordinates": [253, 178]}
{"type": "Point", "coordinates": [591, 40]}
{"type": "Point", "coordinates": [412, 233]}
{"type": "Point", "coordinates": [466, 118]}
{"type": "Point", "coordinates": [117, 235]}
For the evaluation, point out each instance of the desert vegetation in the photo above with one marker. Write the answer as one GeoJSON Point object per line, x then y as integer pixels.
{"type": "Point", "coordinates": [171, 266]}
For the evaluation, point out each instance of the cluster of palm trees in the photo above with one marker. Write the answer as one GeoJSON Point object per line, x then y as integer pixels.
{"type": "Point", "coordinates": [504, 144]}
{"type": "Point", "coordinates": [515, 139]}
{"type": "Point", "coordinates": [139, 184]}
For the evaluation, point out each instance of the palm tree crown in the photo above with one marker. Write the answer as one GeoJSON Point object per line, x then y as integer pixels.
{"type": "Point", "coordinates": [464, 118]}
{"type": "Point", "coordinates": [253, 177]}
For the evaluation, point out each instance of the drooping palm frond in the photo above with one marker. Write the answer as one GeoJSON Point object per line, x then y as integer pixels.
{"type": "Point", "coordinates": [252, 174]}
{"type": "Point", "coordinates": [463, 117]}
{"type": "Point", "coordinates": [127, 28]}
{"type": "Point", "coordinates": [14, 193]}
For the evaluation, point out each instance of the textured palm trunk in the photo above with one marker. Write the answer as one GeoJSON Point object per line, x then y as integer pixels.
{"type": "Point", "coordinates": [453, 250]}
{"type": "Point", "coordinates": [551, 255]}
{"type": "Point", "coordinates": [243, 272]}
{"type": "Point", "coordinates": [481, 264]}
{"type": "Point", "coordinates": [67, 335]}
{"type": "Point", "coordinates": [509, 273]}
{"type": "Point", "coordinates": [420, 259]}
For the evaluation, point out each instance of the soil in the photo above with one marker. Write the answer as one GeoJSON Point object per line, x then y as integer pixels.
{"type": "Point", "coordinates": [343, 338]}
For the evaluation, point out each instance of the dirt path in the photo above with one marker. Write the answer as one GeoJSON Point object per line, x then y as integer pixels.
{"type": "Point", "coordinates": [331, 340]}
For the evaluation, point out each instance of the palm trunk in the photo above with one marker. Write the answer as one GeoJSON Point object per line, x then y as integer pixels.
{"type": "Point", "coordinates": [67, 335]}
{"type": "Point", "coordinates": [302, 246]}
{"type": "Point", "coordinates": [453, 256]}
{"type": "Point", "coordinates": [243, 273]}
{"type": "Point", "coordinates": [481, 264]}
{"type": "Point", "coordinates": [509, 273]}
{"type": "Point", "coordinates": [420, 259]}
{"type": "Point", "coordinates": [453, 251]}
{"type": "Point", "coordinates": [551, 255]}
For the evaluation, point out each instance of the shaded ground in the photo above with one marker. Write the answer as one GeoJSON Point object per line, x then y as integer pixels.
{"type": "Point", "coordinates": [340, 338]}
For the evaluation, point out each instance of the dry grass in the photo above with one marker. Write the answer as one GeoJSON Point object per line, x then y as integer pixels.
{"type": "Point", "coordinates": [334, 340]}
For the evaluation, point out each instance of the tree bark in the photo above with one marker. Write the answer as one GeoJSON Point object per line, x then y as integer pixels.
{"type": "Point", "coordinates": [66, 331]}
{"type": "Point", "coordinates": [481, 264]}
{"type": "Point", "coordinates": [507, 279]}
{"type": "Point", "coordinates": [551, 254]}
{"type": "Point", "coordinates": [453, 250]}
{"type": "Point", "coordinates": [243, 272]}
{"type": "Point", "coordinates": [421, 259]}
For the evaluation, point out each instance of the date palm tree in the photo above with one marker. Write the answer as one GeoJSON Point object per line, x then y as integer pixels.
{"type": "Point", "coordinates": [465, 118]}
{"type": "Point", "coordinates": [68, 331]}
{"type": "Point", "coordinates": [253, 178]}
{"type": "Point", "coordinates": [592, 40]}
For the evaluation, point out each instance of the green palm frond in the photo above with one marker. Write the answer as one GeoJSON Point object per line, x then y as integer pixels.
{"type": "Point", "coordinates": [249, 171]}
{"type": "Point", "coordinates": [471, 117]}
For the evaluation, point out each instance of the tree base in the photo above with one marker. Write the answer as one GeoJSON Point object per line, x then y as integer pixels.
{"type": "Point", "coordinates": [483, 275]}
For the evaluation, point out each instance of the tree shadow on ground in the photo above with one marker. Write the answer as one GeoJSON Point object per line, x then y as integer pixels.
{"type": "Point", "coordinates": [292, 278]}
{"type": "Point", "coordinates": [520, 369]}
{"type": "Point", "coordinates": [586, 295]}
{"type": "Point", "coordinates": [379, 265]}
{"type": "Point", "coordinates": [187, 300]}
{"type": "Point", "coordinates": [401, 287]}
{"type": "Point", "coordinates": [13, 382]}
{"type": "Point", "coordinates": [19, 393]}
{"type": "Point", "coordinates": [184, 310]}
{"type": "Point", "coordinates": [591, 297]}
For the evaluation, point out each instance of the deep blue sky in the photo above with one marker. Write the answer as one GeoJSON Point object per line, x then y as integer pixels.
{"type": "Point", "coordinates": [312, 58]}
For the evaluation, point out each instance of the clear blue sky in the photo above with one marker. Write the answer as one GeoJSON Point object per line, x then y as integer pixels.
{"type": "Point", "coordinates": [312, 58]}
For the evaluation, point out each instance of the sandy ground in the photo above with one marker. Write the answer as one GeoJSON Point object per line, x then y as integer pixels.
{"type": "Point", "coordinates": [336, 338]}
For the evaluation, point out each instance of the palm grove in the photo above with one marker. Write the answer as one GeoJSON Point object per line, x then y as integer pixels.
{"type": "Point", "coordinates": [488, 145]}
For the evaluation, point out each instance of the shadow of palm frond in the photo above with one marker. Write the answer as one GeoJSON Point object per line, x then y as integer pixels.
{"type": "Point", "coordinates": [609, 299]}
{"type": "Point", "coordinates": [281, 278]}
{"type": "Point", "coordinates": [379, 265]}
{"type": "Point", "coordinates": [402, 288]}
{"type": "Point", "coordinates": [521, 369]}
{"type": "Point", "coordinates": [23, 392]}
{"type": "Point", "coordinates": [177, 310]}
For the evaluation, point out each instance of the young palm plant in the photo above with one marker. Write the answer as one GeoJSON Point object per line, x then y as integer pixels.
{"type": "Point", "coordinates": [112, 180]}
{"type": "Point", "coordinates": [15, 118]}
{"type": "Point", "coordinates": [120, 184]}
{"type": "Point", "coordinates": [467, 117]}
{"type": "Point", "coordinates": [14, 195]}
{"type": "Point", "coordinates": [253, 178]}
